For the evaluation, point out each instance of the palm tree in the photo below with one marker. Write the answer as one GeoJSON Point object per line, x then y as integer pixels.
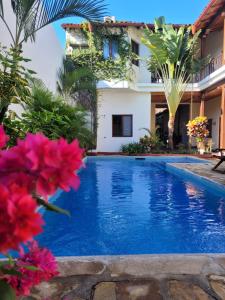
{"type": "Point", "coordinates": [77, 85]}
{"type": "Point", "coordinates": [173, 53]}
{"type": "Point", "coordinates": [33, 15]}
{"type": "Point", "coordinates": [72, 81]}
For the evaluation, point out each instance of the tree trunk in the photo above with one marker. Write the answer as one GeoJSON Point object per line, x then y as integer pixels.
{"type": "Point", "coordinates": [171, 131]}
{"type": "Point", "coordinates": [3, 113]}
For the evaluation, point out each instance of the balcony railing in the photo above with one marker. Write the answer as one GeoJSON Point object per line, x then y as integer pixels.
{"type": "Point", "coordinates": [214, 64]}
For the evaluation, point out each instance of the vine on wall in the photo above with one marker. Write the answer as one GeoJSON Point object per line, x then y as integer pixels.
{"type": "Point", "coordinates": [119, 68]}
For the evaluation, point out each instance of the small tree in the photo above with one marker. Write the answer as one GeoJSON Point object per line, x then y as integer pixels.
{"type": "Point", "coordinates": [77, 85]}
{"type": "Point", "coordinates": [173, 53]}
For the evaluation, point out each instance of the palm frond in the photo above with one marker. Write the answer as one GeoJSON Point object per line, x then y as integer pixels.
{"type": "Point", "coordinates": [73, 81]}
{"type": "Point", "coordinates": [36, 14]}
{"type": "Point", "coordinates": [1, 9]}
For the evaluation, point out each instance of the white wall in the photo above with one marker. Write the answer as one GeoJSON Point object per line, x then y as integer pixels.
{"type": "Point", "coordinates": [112, 102]}
{"type": "Point", "coordinates": [141, 72]}
{"type": "Point", "coordinates": [212, 111]}
{"type": "Point", "coordinates": [46, 53]}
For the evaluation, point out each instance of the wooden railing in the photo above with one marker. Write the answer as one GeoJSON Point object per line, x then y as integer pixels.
{"type": "Point", "coordinates": [214, 64]}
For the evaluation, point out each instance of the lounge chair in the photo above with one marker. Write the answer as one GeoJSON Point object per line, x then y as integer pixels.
{"type": "Point", "coordinates": [220, 154]}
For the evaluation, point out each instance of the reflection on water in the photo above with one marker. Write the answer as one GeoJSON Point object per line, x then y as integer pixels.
{"type": "Point", "coordinates": [125, 206]}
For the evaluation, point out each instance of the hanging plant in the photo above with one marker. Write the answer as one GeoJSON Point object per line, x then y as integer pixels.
{"type": "Point", "coordinates": [119, 68]}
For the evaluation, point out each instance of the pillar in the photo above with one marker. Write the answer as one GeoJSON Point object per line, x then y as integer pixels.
{"type": "Point", "coordinates": [223, 38]}
{"type": "Point", "coordinates": [222, 119]}
{"type": "Point", "coordinates": [202, 106]}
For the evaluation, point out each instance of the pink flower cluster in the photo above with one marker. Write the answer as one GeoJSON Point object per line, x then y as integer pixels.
{"type": "Point", "coordinates": [35, 168]}
{"type": "Point", "coordinates": [44, 267]}
{"type": "Point", "coordinates": [19, 220]}
{"type": "Point", "coordinates": [42, 165]}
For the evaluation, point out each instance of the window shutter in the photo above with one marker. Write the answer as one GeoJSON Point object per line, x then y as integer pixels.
{"type": "Point", "coordinates": [115, 52]}
{"type": "Point", "coordinates": [106, 53]}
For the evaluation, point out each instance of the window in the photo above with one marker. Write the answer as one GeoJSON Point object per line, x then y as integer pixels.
{"type": "Point", "coordinates": [122, 125]}
{"type": "Point", "coordinates": [110, 48]}
{"type": "Point", "coordinates": [135, 50]}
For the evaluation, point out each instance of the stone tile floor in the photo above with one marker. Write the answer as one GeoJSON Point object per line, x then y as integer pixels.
{"type": "Point", "coordinates": [141, 277]}
{"type": "Point", "coordinates": [204, 170]}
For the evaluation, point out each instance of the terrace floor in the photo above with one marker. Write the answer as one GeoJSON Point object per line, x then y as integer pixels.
{"type": "Point", "coordinates": [205, 170]}
{"type": "Point", "coordinates": [142, 277]}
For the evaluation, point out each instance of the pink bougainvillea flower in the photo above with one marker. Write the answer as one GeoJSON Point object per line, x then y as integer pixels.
{"type": "Point", "coordinates": [19, 220]}
{"type": "Point", "coordinates": [48, 165]}
{"type": "Point", "coordinates": [45, 264]}
{"type": "Point", "coordinates": [3, 137]}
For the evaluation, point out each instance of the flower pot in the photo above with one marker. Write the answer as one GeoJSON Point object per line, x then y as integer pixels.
{"type": "Point", "coordinates": [201, 147]}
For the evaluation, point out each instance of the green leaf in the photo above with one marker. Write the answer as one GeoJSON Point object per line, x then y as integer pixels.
{"type": "Point", "coordinates": [31, 268]}
{"type": "Point", "coordinates": [52, 207]}
{"type": "Point", "coordinates": [11, 261]}
{"type": "Point", "coordinates": [10, 272]}
{"type": "Point", "coordinates": [31, 72]}
{"type": "Point", "coordinates": [6, 291]}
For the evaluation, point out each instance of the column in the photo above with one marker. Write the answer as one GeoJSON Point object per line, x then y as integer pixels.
{"type": "Point", "coordinates": [223, 14]}
{"type": "Point", "coordinates": [202, 106]}
{"type": "Point", "coordinates": [222, 119]}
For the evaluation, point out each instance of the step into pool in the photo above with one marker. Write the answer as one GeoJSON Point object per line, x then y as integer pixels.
{"type": "Point", "coordinates": [128, 206]}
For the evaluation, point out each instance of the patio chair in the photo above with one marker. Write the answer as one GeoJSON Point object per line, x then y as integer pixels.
{"type": "Point", "coordinates": [220, 154]}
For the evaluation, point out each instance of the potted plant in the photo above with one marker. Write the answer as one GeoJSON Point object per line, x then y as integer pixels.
{"type": "Point", "coordinates": [197, 128]}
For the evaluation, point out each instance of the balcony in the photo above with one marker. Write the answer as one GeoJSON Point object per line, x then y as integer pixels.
{"type": "Point", "coordinates": [215, 64]}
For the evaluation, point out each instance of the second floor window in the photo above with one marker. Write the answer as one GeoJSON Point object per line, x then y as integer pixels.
{"type": "Point", "coordinates": [110, 48]}
{"type": "Point", "coordinates": [135, 50]}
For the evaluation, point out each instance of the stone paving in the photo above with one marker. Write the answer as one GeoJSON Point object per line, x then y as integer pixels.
{"type": "Point", "coordinates": [204, 170]}
{"type": "Point", "coordinates": [141, 277]}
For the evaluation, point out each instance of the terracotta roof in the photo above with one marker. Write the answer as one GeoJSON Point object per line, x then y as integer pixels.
{"type": "Point", "coordinates": [113, 24]}
{"type": "Point", "coordinates": [210, 11]}
{"type": "Point", "coordinates": [120, 24]}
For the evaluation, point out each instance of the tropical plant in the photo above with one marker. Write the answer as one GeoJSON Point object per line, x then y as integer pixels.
{"type": "Point", "coordinates": [151, 141]}
{"type": "Point", "coordinates": [30, 17]}
{"type": "Point", "coordinates": [77, 85]}
{"type": "Point", "coordinates": [133, 148]}
{"type": "Point", "coordinates": [50, 115]}
{"type": "Point", "coordinates": [14, 84]}
{"type": "Point", "coordinates": [73, 81]}
{"type": "Point", "coordinates": [173, 57]}
{"type": "Point", "coordinates": [118, 67]}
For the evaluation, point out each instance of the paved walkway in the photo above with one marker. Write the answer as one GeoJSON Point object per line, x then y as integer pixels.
{"type": "Point", "coordinates": [141, 277]}
{"type": "Point", "coordinates": [204, 170]}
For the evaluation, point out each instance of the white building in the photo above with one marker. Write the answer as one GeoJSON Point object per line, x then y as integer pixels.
{"type": "Point", "coordinates": [125, 107]}
{"type": "Point", "coordinates": [46, 53]}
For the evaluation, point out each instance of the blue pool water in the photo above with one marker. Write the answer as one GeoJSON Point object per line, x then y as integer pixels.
{"type": "Point", "coordinates": [128, 206]}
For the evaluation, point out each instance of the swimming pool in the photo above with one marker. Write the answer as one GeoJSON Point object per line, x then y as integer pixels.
{"type": "Point", "coordinates": [128, 206]}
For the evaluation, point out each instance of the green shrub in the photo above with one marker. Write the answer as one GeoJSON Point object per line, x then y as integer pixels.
{"type": "Point", "coordinates": [133, 148]}
{"type": "Point", "coordinates": [151, 142]}
{"type": "Point", "coordinates": [50, 115]}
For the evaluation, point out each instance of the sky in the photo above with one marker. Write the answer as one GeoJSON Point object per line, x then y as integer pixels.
{"type": "Point", "coordinates": [175, 11]}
